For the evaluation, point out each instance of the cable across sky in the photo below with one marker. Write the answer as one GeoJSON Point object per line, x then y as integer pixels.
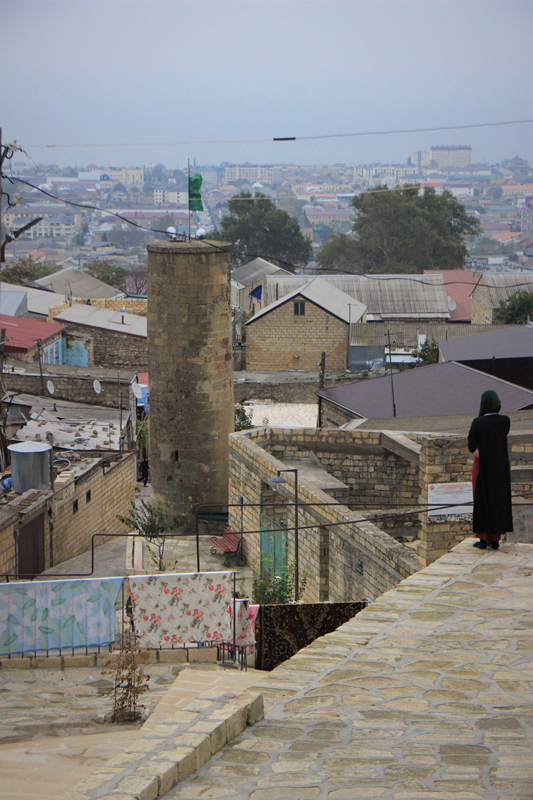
{"type": "Point", "coordinates": [290, 138]}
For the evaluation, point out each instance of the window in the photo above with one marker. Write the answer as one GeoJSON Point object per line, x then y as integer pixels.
{"type": "Point", "coordinates": [88, 496]}
{"type": "Point", "coordinates": [74, 506]}
{"type": "Point", "coordinates": [299, 308]}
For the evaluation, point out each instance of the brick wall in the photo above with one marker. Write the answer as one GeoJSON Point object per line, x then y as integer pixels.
{"type": "Point", "coordinates": [482, 311]}
{"type": "Point", "coordinates": [135, 305]}
{"type": "Point", "coordinates": [67, 533]}
{"type": "Point", "coordinates": [445, 459]}
{"type": "Point", "coordinates": [347, 557]}
{"type": "Point", "coordinates": [281, 340]}
{"type": "Point", "coordinates": [111, 490]}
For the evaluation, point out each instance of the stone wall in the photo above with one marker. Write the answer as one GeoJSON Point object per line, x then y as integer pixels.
{"type": "Point", "coordinates": [299, 390]}
{"type": "Point", "coordinates": [281, 340]}
{"type": "Point", "coordinates": [134, 305]}
{"type": "Point", "coordinates": [75, 388]}
{"type": "Point", "coordinates": [348, 558]}
{"type": "Point", "coordinates": [9, 518]}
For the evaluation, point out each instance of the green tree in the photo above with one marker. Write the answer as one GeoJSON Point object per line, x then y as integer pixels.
{"type": "Point", "coordinates": [108, 272]}
{"type": "Point", "coordinates": [495, 192]}
{"type": "Point", "coordinates": [340, 252]}
{"type": "Point", "coordinates": [517, 309]}
{"type": "Point", "coordinates": [26, 270]}
{"type": "Point", "coordinates": [243, 419]}
{"type": "Point", "coordinates": [79, 239]}
{"type": "Point", "coordinates": [119, 187]}
{"type": "Point", "coordinates": [153, 521]}
{"type": "Point", "coordinates": [256, 227]}
{"type": "Point", "coordinates": [428, 353]}
{"type": "Point", "coordinates": [403, 231]}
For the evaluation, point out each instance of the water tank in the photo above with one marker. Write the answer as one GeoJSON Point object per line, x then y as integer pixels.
{"type": "Point", "coordinates": [30, 466]}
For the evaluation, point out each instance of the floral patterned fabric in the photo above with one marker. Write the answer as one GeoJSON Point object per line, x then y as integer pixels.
{"type": "Point", "coordinates": [46, 615]}
{"type": "Point", "coordinates": [177, 609]}
{"type": "Point", "coordinates": [244, 624]}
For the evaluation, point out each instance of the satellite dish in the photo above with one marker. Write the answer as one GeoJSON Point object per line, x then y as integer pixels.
{"type": "Point", "coordinates": [171, 232]}
{"type": "Point", "coordinates": [50, 387]}
{"type": "Point", "coordinates": [452, 305]}
{"type": "Point", "coordinates": [200, 233]}
{"type": "Point", "coordinates": [97, 386]}
{"type": "Point", "coordinates": [137, 391]}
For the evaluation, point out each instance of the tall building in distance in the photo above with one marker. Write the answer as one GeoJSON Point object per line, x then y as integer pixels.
{"type": "Point", "coordinates": [456, 155]}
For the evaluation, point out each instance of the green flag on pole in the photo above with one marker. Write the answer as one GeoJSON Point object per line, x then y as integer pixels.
{"type": "Point", "coordinates": [195, 198]}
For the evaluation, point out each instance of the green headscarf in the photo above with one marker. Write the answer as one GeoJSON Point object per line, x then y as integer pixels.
{"type": "Point", "coordinates": [490, 403]}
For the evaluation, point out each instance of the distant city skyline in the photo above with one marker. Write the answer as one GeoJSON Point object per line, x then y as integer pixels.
{"type": "Point", "coordinates": [109, 72]}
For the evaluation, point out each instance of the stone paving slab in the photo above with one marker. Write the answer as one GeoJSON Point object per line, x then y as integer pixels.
{"type": "Point", "coordinates": [424, 695]}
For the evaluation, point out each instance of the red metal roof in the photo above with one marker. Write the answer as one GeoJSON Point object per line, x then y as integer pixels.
{"type": "Point", "coordinates": [23, 333]}
{"type": "Point", "coordinates": [458, 285]}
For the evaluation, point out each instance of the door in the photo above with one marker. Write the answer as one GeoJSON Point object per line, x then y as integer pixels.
{"type": "Point", "coordinates": [30, 544]}
{"type": "Point", "coordinates": [273, 542]}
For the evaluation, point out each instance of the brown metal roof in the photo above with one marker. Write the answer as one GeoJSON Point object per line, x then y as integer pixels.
{"type": "Point", "coordinates": [507, 343]}
{"type": "Point", "coordinates": [439, 389]}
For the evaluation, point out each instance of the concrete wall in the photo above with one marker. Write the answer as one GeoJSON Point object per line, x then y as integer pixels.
{"type": "Point", "coordinates": [281, 340]}
{"type": "Point", "coordinates": [347, 557]}
{"type": "Point", "coordinates": [191, 372]}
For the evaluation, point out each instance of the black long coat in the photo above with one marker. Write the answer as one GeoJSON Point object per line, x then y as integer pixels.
{"type": "Point", "coordinates": [493, 512]}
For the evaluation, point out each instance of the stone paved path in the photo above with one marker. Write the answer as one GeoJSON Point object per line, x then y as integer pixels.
{"type": "Point", "coordinates": [425, 695]}
{"type": "Point", "coordinates": [46, 767]}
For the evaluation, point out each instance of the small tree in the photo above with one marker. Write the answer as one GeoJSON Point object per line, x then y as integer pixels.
{"type": "Point", "coordinates": [517, 309]}
{"type": "Point", "coordinates": [130, 680]}
{"type": "Point", "coordinates": [153, 521]}
{"type": "Point", "coordinates": [243, 419]}
{"type": "Point", "coordinates": [26, 270]}
{"type": "Point", "coordinates": [428, 353]}
{"type": "Point", "coordinates": [269, 587]}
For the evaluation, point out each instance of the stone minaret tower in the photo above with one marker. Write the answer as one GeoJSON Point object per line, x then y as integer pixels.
{"type": "Point", "coordinates": [191, 371]}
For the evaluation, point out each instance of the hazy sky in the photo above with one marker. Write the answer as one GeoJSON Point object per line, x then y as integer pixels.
{"type": "Point", "coordinates": [123, 71]}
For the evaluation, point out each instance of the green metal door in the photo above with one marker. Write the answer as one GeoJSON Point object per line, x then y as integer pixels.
{"type": "Point", "coordinates": [273, 542]}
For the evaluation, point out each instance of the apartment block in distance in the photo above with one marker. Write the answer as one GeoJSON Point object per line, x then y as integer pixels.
{"type": "Point", "coordinates": [249, 172]}
{"type": "Point", "coordinates": [459, 155]}
{"type": "Point", "coordinates": [128, 176]}
{"type": "Point", "coordinates": [163, 196]}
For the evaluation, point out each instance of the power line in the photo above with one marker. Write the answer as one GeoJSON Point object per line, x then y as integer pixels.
{"type": "Point", "coordinates": [291, 138]}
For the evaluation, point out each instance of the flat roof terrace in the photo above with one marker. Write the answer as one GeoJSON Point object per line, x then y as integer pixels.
{"type": "Point", "coordinates": [424, 695]}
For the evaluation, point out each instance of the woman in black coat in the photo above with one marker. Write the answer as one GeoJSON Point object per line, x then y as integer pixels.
{"type": "Point", "coordinates": [491, 474]}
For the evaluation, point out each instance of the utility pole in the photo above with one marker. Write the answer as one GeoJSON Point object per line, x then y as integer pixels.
{"type": "Point", "coordinates": [391, 378]}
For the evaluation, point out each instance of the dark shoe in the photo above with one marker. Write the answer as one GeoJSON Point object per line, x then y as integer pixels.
{"type": "Point", "coordinates": [481, 544]}
{"type": "Point", "coordinates": [495, 545]}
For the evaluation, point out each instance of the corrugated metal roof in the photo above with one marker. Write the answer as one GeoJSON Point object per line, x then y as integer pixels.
{"type": "Point", "coordinates": [22, 333]}
{"type": "Point", "coordinates": [75, 283]}
{"type": "Point", "coordinates": [502, 285]}
{"type": "Point", "coordinates": [38, 300]}
{"type": "Point", "coordinates": [439, 389]}
{"type": "Point", "coordinates": [385, 296]}
{"type": "Point", "coordinates": [94, 317]}
{"type": "Point", "coordinates": [324, 295]}
{"type": "Point", "coordinates": [459, 285]}
{"type": "Point", "coordinates": [13, 304]}
{"type": "Point", "coordinates": [255, 270]}
{"type": "Point", "coordinates": [507, 343]}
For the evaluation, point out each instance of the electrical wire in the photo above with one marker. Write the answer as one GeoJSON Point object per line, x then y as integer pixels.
{"type": "Point", "coordinates": [183, 237]}
{"type": "Point", "coordinates": [294, 138]}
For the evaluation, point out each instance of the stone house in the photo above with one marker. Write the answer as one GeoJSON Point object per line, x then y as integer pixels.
{"type": "Point", "coordinates": [33, 340]}
{"type": "Point", "coordinates": [494, 288]}
{"type": "Point", "coordinates": [292, 332]}
{"type": "Point", "coordinates": [39, 529]}
{"type": "Point", "coordinates": [117, 340]}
